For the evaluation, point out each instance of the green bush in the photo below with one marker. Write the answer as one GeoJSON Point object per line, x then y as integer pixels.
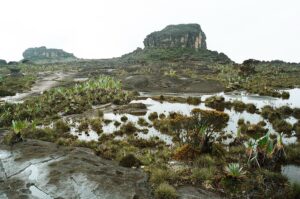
{"type": "Point", "coordinates": [61, 126]}
{"type": "Point", "coordinates": [203, 174]}
{"type": "Point", "coordinates": [165, 191]}
{"type": "Point", "coordinates": [295, 191]}
{"type": "Point", "coordinates": [153, 116]}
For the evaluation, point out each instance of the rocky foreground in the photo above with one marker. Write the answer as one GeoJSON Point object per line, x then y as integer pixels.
{"type": "Point", "coordinates": [37, 169]}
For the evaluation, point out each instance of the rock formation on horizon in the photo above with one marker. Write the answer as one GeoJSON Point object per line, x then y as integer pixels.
{"type": "Point", "coordinates": [43, 54]}
{"type": "Point", "coordinates": [177, 36]}
{"type": "Point", "coordinates": [2, 62]}
{"type": "Point", "coordinates": [183, 42]}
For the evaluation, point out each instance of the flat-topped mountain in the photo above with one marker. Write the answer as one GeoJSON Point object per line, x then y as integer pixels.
{"type": "Point", "coordinates": [43, 54]}
{"type": "Point", "coordinates": [177, 36]}
{"type": "Point", "coordinates": [183, 42]}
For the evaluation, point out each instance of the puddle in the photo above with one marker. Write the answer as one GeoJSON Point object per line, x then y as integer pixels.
{"type": "Point", "coordinates": [110, 70]}
{"type": "Point", "coordinates": [291, 120]}
{"type": "Point", "coordinates": [167, 107]}
{"type": "Point", "coordinates": [80, 79]}
{"type": "Point", "coordinates": [259, 101]}
{"type": "Point", "coordinates": [292, 172]}
{"type": "Point", "coordinates": [110, 128]}
{"type": "Point", "coordinates": [34, 172]}
{"type": "Point", "coordinates": [3, 196]}
{"type": "Point", "coordinates": [4, 154]}
{"type": "Point", "coordinates": [38, 193]}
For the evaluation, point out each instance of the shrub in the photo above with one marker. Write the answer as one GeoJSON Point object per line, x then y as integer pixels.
{"type": "Point", "coordinates": [96, 125]}
{"type": "Point", "coordinates": [297, 128]}
{"type": "Point", "coordinates": [216, 102]}
{"type": "Point", "coordinates": [293, 153]}
{"type": "Point", "coordinates": [251, 108]}
{"type": "Point", "coordinates": [130, 161]}
{"type": "Point", "coordinates": [285, 95]}
{"type": "Point", "coordinates": [295, 191]}
{"type": "Point", "coordinates": [12, 138]}
{"type": "Point", "coordinates": [124, 118]}
{"type": "Point", "coordinates": [116, 123]}
{"type": "Point", "coordinates": [162, 116]}
{"type": "Point", "coordinates": [239, 106]}
{"type": "Point", "coordinates": [100, 113]}
{"type": "Point", "coordinates": [153, 116]}
{"type": "Point", "coordinates": [204, 160]}
{"type": "Point", "coordinates": [160, 175]}
{"type": "Point", "coordinates": [142, 122]}
{"type": "Point", "coordinates": [61, 126]}
{"type": "Point", "coordinates": [46, 134]}
{"type": "Point", "coordinates": [84, 126]}
{"type": "Point", "coordinates": [165, 191]}
{"type": "Point", "coordinates": [203, 174]}
{"type": "Point", "coordinates": [193, 100]}
{"type": "Point", "coordinates": [285, 111]}
{"type": "Point", "coordinates": [282, 126]}
{"type": "Point", "coordinates": [186, 152]}
{"type": "Point", "coordinates": [296, 113]}
{"type": "Point", "coordinates": [128, 128]}
{"type": "Point", "coordinates": [241, 121]}
{"type": "Point", "coordinates": [217, 119]}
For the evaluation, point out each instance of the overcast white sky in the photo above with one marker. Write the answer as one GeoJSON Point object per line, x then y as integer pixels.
{"type": "Point", "coordinates": [261, 29]}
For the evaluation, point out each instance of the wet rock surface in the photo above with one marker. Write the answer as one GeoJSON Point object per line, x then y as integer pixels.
{"type": "Point", "coordinates": [158, 83]}
{"type": "Point", "coordinates": [190, 192]}
{"type": "Point", "coordinates": [45, 82]}
{"type": "Point", "coordinates": [36, 169]}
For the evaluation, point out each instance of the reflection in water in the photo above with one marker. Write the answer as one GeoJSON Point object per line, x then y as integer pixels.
{"type": "Point", "coordinates": [292, 172]}
{"type": "Point", "coordinates": [38, 193]}
{"type": "Point", "coordinates": [167, 107]}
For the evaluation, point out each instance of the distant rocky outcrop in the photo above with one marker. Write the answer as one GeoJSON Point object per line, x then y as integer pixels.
{"type": "Point", "coordinates": [44, 55]}
{"type": "Point", "coordinates": [177, 36]}
{"type": "Point", "coordinates": [2, 62]}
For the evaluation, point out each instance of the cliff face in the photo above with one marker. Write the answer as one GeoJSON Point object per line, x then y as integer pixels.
{"type": "Point", "coordinates": [43, 54]}
{"type": "Point", "coordinates": [177, 36]}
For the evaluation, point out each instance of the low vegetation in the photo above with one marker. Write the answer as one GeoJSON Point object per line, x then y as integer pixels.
{"type": "Point", "coordinates": [246, 167]}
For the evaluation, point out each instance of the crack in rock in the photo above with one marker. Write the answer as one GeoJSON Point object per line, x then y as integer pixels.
{"type": "Point", "coordinates": [2, 170]}
{"type": "Point", "coordinates": [36, 192]}
{"type": "Point", "coordinates": [30, 164]}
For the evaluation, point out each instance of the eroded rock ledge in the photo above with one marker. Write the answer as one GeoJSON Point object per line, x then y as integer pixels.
{"type": "Point", "coordinates": [41, 169]}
